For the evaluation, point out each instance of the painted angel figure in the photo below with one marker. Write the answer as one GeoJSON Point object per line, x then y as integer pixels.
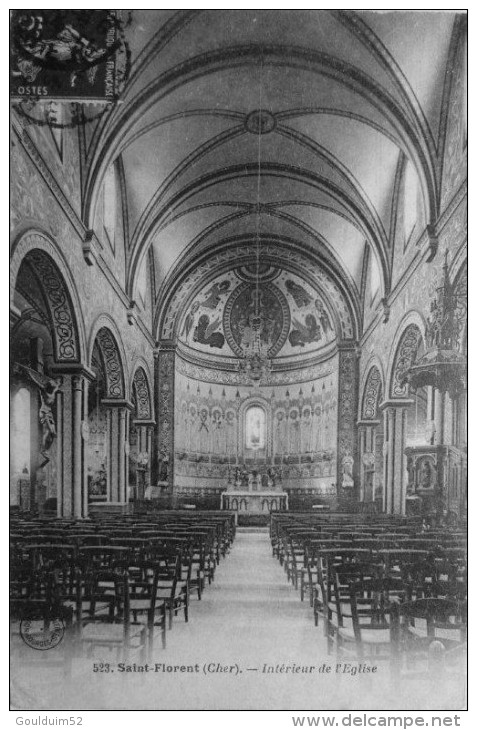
{"type": "Point", "coordinates": [309, 331]}
{"type": "Point", "coordinates": [212, 297]}
{"type": "Point", "coordinates": [205, 332]}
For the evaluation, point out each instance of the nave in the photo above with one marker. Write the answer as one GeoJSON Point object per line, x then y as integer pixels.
{"type": "Point", "coordinates": [238, 303]}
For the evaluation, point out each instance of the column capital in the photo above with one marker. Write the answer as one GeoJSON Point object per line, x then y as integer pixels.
{"type": "Point", "coordinates": [364, 423]}
{"type": "Point", "coordinates": [401, 403]}
{"type": "Point", "coordinates": [164, 346]}
{"type": "Point", "coordinates": [73, 369]}
{"type": "Point", "coordinates": [141, 422]}
{"type": "Point", "coordinates": [349, 346]}
{"type": "Point", "coordinates": [117, 403]}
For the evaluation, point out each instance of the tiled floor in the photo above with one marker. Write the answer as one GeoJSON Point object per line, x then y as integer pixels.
{"type": "Point", "coordinates": [249, 620]}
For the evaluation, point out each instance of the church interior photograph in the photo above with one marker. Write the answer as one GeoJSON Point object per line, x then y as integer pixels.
{"type": "Point", "coordinates": [238, 360]}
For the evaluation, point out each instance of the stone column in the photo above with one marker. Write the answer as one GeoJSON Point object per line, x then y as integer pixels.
{"type": "Point", "coordinates": [347, 442]}
{"type": "Point", "coordinates": [366, 445]}
{"type": "Point", "coordinates": [118, 451]}
{"type": "Point", "coordinates": [395, 475]}
{"type": "Point", "coordinates": [165, 377]}
{"type": "Point", "coordinates": [71, 417]}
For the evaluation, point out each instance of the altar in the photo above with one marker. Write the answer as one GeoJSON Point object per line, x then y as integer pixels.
{"type": "Point", "coordinates": [254, 493]}
{"type": "Point", "coordinates": [243, 501]}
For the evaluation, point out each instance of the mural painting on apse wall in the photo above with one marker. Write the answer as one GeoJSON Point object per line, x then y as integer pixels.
{"type": "Point", "coordinates": [285, 312]}
{"type": "Point", "coordinates": [212, 439]}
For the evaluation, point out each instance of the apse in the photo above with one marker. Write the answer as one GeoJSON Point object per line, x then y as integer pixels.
{"type": "Point", "coordinates": [256, 383]}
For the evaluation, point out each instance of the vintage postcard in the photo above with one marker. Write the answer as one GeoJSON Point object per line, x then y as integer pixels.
{"type": "Point", "coordinates": [238, 360]}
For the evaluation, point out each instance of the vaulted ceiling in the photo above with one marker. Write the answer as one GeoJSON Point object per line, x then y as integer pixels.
{"type": "Point", "coordinates": [246, 125]}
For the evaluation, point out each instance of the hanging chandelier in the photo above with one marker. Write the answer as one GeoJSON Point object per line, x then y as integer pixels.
{"type": "Point", "coordinates": [256, 365]}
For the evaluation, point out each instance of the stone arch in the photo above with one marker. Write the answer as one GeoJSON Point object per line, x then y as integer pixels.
{"type": "Point", "coordinates": [404, 357]}
{"type": "Point", "coordinates": [140, 387]}
{"type": "Point", "coordinates": [372, 392]}
{"type": "Point", "coordinates": [105, 333]}
{"type": "Point", "coordinates": [57, 285]}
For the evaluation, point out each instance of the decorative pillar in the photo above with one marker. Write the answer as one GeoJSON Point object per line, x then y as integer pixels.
{"type": "Point", "coordinates": [118, 451]}
{"type": "Point", "coordinates": [72, 434]}
{"type": "Point", "coordinates": [347, 442]}
{"type": "Point", "coordinates": [368, 453]}
{"type": "Point", "coordinates": [165, 376]}
{"type": "Point", "coordinates": [395, 474]}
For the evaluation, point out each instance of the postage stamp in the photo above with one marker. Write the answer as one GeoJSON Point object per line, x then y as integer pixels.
{"type": "Point", "coordinates": [65, 54]}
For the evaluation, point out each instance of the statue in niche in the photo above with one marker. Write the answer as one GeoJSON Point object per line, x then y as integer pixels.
{"type": "Point", "coordinates": [250, 480]}
{"type": "Point", "coordinates": [205, 333]}
{"type": "Point", "coordinates": [323, 317]}
{"type": "Point", "coordinates": [212, 297]}
{"type": "Point", "coordinates": [164, 469]}
{"type": "Point", "coordinates": [189, 320]}
{"type": "Point", "coordinates": [300, 296]}
{"type": "Point", "coordinates": [425, 475]}
{"type": "Point", "coordinates": [347, 464]}
{"type": "Point", "coordinates": [271, 477]}
{"type": "Point", "coordinates": [259, 481]}
{"type": "Point", "coordinates": [305, 333]}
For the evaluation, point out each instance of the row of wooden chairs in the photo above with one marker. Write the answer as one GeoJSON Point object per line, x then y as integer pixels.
{"type": "Point", "coordinates": [113, 585]}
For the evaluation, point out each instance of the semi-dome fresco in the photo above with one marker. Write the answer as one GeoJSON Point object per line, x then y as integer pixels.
{"type": "Point", "coordinates": [287, 314]}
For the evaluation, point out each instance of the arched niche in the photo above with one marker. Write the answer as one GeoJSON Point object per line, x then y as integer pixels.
{"type": "Point", "coordinates": [255, 421]}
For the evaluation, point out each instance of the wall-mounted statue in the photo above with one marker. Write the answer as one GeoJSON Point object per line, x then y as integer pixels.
{"type": "Point", "coordinates": [48, 388]}
{"type": "Point", "coordinates": [347, 464]}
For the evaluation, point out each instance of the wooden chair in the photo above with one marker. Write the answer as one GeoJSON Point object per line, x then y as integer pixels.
{"type": "Point", "coordinates": [359, 616]}
{"type": "Point", "coordinates": [171, 587]}
{"type": "Point", "coordinates": [430, 636]}
{"type": "Point", "coordinates": [111, 605]}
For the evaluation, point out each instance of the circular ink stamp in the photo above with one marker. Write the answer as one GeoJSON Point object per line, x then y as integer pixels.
{"type": "Point", "coordinates": [67, 67]}
{"type": "Point", "coordinates": [40, 634]}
